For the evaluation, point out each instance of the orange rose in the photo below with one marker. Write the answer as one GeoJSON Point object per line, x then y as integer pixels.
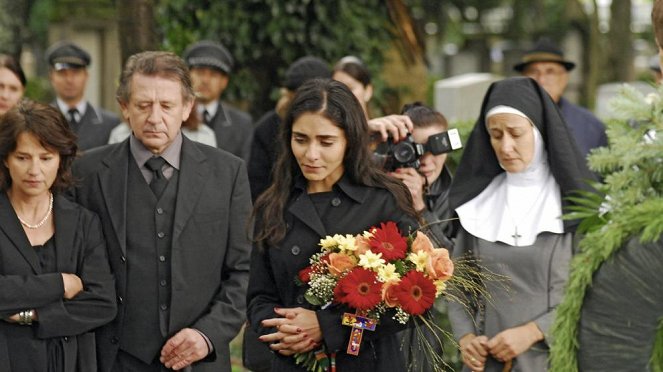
{"type": "Point", "coordinates": [422, 243]}
{"type": "Point", "coordinates": [362, 245]}
{"type": "Point", "coordinates": [339, 262]}
{"type": "Point", "coordinates": [439, 266]}
{"type": "Point", "coordinates": [388, 295]}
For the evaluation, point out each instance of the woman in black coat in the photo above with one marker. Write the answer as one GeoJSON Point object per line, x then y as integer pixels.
{"type": "Point", "coordinates": [55, 281]}
{"type": "Point", "coordinates": [325, 184]}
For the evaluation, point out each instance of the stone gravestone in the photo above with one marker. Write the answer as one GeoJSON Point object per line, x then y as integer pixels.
{"type": "Point", "coordinates": [459, 98]}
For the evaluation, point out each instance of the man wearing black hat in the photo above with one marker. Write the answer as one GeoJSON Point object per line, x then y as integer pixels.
{"type": "Point", "coordinates": [211, 65]}
{"type": "Point", "coordinates": [68, 75]}
{"type": "Point", "coordinates": [545, 63]}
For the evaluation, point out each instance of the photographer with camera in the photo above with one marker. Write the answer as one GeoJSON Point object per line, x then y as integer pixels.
{"type": "Point", "coordinates": [418, 161]}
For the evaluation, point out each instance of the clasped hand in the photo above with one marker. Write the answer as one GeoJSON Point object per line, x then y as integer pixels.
{"type": "Point", "coordinates": [297, 331]}
{"type": "Point", "coordinates": [504, 346]}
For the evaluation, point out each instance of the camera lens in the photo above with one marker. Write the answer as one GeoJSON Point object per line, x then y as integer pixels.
{"type": "Point", "coordinates": [404, 152]}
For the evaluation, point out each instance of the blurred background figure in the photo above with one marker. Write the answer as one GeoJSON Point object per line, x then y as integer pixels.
{"type": "Point", "coordinates": [545, 63]}
{"type": "Point", "coordinates": [211, 65]}
{"type": "Point", "coordinates": [263, 148]}
{"type": "Point", "coordinates": [68, 75]}
{"type": "Point", "coordinates": [352, 72]}
{"type": "Point", "coordinates": [55, 280]}
{"type": "Point", "coordinates": [12, 83]}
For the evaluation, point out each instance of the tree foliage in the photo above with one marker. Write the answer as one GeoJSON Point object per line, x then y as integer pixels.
{"type": "Point", "coordinates": [265, 36]}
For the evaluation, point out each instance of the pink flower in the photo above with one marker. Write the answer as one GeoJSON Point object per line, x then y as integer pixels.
{"type": "Point", "coordinates": [439, 266]}
{"type": "Point", "coordinates": [339, 263]}
{"type": "Point", "coordinates": [422, 243]}
{"type": "Point", "coordinates": [363, 245]}
{"type": "Point", "coordinates": [388, 293]}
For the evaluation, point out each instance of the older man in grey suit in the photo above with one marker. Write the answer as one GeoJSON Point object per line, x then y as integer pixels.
{"type": "Point", "coordinates": [174, 213]}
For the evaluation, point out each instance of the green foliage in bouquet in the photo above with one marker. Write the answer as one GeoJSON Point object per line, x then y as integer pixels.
{"type": "Point", "coordinates": [629, 206]}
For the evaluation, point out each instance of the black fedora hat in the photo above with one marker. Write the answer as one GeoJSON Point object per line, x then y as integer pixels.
{"type": "Point", "coordinates": [544, 51]}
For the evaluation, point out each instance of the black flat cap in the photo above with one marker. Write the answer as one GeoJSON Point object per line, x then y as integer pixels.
{"type": "Point", "coordinates": [544, 51]}
{"type": "Point", "coordinates": [64, 54]}
{"type": "Point", "coordinates": [303, 69]}
{"type": "Point", "coordinates": [211, 54]}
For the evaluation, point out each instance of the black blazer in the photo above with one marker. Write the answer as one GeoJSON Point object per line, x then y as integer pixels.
{"type": "Point", "coordinates": [81, 250]}
{"type": "Point", "coordinates": [234, 130]}
{"type": "Point", "coordinates": [210, 247]}
{"type": "Point", "coordinates": [274, 269]}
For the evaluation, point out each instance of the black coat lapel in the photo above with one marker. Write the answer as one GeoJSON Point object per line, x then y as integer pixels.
{"type": "Point", "coordinates": [303, 209]}
{"type": "Point", "coordinates": [10, 225]}
{"type": "Point", "coordinates": [66, 220]}
{"type": "Point", "coordinates": [192, 179]}
{"type": "Point", "coordinates": [113, 183]}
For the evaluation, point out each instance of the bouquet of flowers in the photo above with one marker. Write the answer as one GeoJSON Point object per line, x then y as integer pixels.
{"type": "Point", "coordinates": [373, 272]}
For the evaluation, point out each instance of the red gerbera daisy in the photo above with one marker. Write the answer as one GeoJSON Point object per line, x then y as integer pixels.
{"type": "Point", "coordinates": [359, 289]}
{"type": "Point", "coordinates": [388, 241]}
{"type": "Point", "coordinates": [415, 293]}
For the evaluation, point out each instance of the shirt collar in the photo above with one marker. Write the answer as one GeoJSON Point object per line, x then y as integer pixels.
{"type": "Point", "coordinates": [211, 108]}
{"type": "Point", "coordinates": [64, 108]}
{"type": "Point", "coordinates": [171, 154]}
{"type": "Point", "coordinates": [345, 185]}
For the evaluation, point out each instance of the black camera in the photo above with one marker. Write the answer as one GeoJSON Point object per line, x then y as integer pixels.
{"type": "Point", "coordinates": [406, 153]}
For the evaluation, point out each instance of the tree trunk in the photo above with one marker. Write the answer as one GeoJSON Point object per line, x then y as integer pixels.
{"type": "Point", "coordinates": [137, 27]}
{"type": "Point", "coordinates": [620, 59]}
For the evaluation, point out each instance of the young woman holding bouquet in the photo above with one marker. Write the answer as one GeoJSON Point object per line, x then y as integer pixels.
{"type": "Point", "coordinates": [324, 184]}
{"type": "Point", "coordinates": [519, 165]}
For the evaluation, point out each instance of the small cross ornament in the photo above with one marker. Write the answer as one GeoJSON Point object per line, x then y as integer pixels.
{"type": "Point", "coordinates": [359, 324]}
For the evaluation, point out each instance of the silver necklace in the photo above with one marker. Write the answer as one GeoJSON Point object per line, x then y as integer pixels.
{"type": "Point", "coordinates": [43, 220]}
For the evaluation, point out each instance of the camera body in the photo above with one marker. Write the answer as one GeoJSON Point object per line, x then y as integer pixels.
{"type": "Point", "coordinates": [407, 153]}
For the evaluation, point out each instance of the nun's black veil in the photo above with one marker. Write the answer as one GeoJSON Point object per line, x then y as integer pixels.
{"type": "Point", "coordinates": [479, 165]}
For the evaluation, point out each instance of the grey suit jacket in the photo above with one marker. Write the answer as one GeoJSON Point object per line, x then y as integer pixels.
{"type": "Point", "coordinates": [234, 130]}
{"type": "Point", "coordinates": [81, 250]}
{"type": "Point", "coordinates": [210, 243]}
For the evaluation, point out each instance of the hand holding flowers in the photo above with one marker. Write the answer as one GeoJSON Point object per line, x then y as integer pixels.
{"type": "Point", "coordinates": [376, 271]}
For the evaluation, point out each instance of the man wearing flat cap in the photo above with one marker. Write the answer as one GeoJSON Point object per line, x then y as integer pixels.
{"type": "Point", "coordinates": [545, 63]}
{"type": "Point", "coordinates": [211, 64]}
{"type": "Point", "coordinates": [68, 75]}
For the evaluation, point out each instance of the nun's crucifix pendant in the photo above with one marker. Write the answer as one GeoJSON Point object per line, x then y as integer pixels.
{"type": "Point", "coordinates": [515, 236]}
{"type": "Point", "coordinates": [358, 324]}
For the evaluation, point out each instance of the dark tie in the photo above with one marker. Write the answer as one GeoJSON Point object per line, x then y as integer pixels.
{"type": "Point", "coordinates": [159, 181]}
{"type": "Point", "coordinates": [72, 118]}
{"type": "Point", "coordinates": [206, 117]}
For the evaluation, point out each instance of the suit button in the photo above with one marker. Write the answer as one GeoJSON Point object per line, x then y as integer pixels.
{"type": "Point", "coordinates": [162, 283]}
{"type": "Point", "coordinates": [65, 339]}
{"type": "Point", "coordinates": [123, 259]}
{"type": "Point", "coordinates": [300, 299]}
{"type": "Point", "coordinates": [164, 307]}
{"type": "Point", "coordinates": [159, 210]}
{"type": "Point", "coordinates": [162, 258]}
{"type": "Point", "coordinates": [160, 234]}
{"type": "Point", "coordinates": [120, 300]}
{"type": "Point", "coordinates": [336, 202]}
{"type": "Point", "coordinates": [295, 250]}
{"type": "Point", "coordinates": [114, 340]}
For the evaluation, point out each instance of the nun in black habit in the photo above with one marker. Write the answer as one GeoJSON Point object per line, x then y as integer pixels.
{"type": "Point", "coordinates": [519, 164]}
